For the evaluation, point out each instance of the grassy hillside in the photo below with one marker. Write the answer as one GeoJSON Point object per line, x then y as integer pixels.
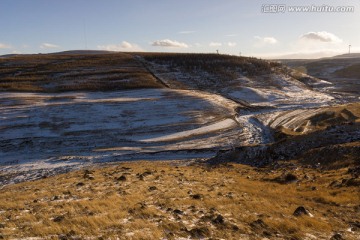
{"type": "Point", "coordinates": [116, 71]}
{"type": "Point", "coordinates": [69, 72]}
{"type": "Point", "coordinates": [352, 71]}
{"type": "Point", "coordinates": [160, 200]}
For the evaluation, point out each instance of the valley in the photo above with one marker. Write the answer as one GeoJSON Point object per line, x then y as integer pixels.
{"type": "Point", "coordinates": [78, 126]}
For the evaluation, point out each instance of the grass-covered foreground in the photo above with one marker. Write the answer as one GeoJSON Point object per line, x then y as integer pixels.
{"type": "Point", "coordinates": [168, 200]}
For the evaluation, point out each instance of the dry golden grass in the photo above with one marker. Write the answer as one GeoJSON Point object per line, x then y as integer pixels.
{"type": "Point", "coordinates": [156, 200]}
{"type": "Point", "coordinates": [327, 117]}
{"type": "Point", "coordinates": [352, 71]}
{"type": "Point", "coordinates": [71, 72]}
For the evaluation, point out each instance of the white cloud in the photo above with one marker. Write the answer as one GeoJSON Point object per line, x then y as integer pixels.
{"type": "Point", "coordinates": [215, 44]}
{"type": "Point", "coordinates": [231, 44]}
{"type": "Point", "coordinates": [270, 40]}
{"type": "Point", "coordinates": [124, 46]}
{"type": "Point", "coordinates": [300, 54]}
{"type": "Point", "coordinates": [265, 40]}
{"type": "Point", "coordinates": [321, 37]}
{"type": "Point", "coordinates": [48, 45]}
{"type": "Point", "coordinates": [186, 32]}
{"type": "Point", "coordinates": [169, 43]}
{"type": "Point", "coordinates": [4, 46]}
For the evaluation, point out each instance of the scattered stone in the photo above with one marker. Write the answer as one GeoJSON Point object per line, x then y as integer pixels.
{"type": "Point", "coordinates": [125, 168]}
{"type": "Point", "coordinates": [355, 226]}
{"type": "Point", "coordinates": [2, 225]}
{"type": "Point", "coordinates": [143, 175]}
{"type": "Point", "coordinates": [352, 182]}
{"type": "Point", "coordinates": [177, 211]}
{"type": "Point", "coordinates": [58, 218]}
{"type": "Point", "coordinates": [218, 220]}
{"type": "Point", "coordinates": [235, 228]}
{"type": "Point", "coordinates": [88, 175]}
{"type": "Point", "coordinates": [301, 211]}
{"type": "Point", "coordinates": [229, 195]}
{"type": "Point", "coordinates": [286, 179]}
{"type": "Point", "coordinates": [122, 178]}
{"type": "Point", "coordinates": [70, 235]}
{"type": "Point", "coordinates": [335, 183]}
{"type": "Point", "coordinates": [197, 196]}
{"type": "Point", "coordinates": [258, 225]}
{"type": "Point", "coordinates": [54, 198]}
{"type": "Point", "coordinates": [199, 232]}
{"type": "Point", "coordinates": [63, 237]}
{"type": "Point", "coordinates": [290, 178]}
{"type": "Point", "coordinates": [80, 184]}
{"type": "Point", "coordinates": [337, 236]}
{"type": "Point", "coordinates": [152, 188]}
{"type": "Point", "coordinates": [354, 172]}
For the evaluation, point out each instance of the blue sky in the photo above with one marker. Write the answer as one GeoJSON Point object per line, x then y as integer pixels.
{"type": "Point", "coordinates": [230, 26]}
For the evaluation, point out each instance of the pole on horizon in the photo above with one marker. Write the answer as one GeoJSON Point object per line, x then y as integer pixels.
{"type": "Point", "coordinates": [349, 48]}
{"type": "Point", "coordinates": [217, 51]}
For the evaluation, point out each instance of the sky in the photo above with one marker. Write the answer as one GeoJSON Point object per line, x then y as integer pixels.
{"type": "Point", "coordinates": [259, 28]}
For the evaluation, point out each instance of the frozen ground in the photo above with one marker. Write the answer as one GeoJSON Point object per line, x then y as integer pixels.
{"type": "Point", "coordinates": [44, 133]}
{"type": "Point", "coordinates": [69, 130]}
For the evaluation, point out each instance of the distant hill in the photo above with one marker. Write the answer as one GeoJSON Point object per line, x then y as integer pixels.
{"type": "Point", "coordinates": [347, 55]}
{"type": "Point", "coordinates": [83, 52]}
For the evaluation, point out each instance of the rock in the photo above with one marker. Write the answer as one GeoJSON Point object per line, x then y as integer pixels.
{"type": "Point", "coordinates": [70, 235]}
{"type": "Point", "coordinates": [301, 211]}
{"type": "Point", "coordinates": [177, 211]}
{"type": "Point", "coordinates": [58, 218]}
{"type": "Point", "coordinates": [337, 236]}
{"type": "Point", "coordinates": [125, 168]}
{"type": "Point", "coordinates": [88, 175]}
{"type": "Point", "coordinates": [258, 225]}
{"type": "Point", "coordinates": [286, 179]}
{"type": "Point", "coordinates": [199, 232]}
{"type": "Point", "coordinates": [290, 178]}
{"type": "Point", "coordinates": [218, 220]}
{"type": "Point", "coordinates": [354, 172]}
{"type": "Point", "coordinates": [80, 184]}
{"type": "Point", "coordinates": [355, 226]}
{"type": "Point", "coordinates": [122, 178]}
{"type": "Point", "coordinates": [197, 196]}
{"type": "Point", "coordinates": [352, 182]}
{"type": "Point", "coordinates": [152, 188]}
{"type": "Point", "coordinates": [143, 175]}
{"type": "Point", "coordinates": [54, 198]}
{"type": "Point", "coordinates": [62, 237]}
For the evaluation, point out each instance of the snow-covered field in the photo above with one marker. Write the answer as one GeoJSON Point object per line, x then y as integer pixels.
{"type": "Point", "coordinates": [69, 130]}
{"type": "Point", "coordinates": [46, 133]}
